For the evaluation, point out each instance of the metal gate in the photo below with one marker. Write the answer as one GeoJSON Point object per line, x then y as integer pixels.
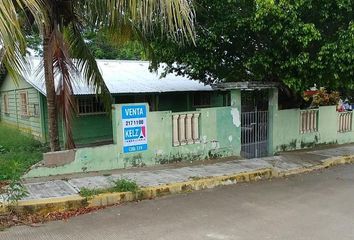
{"type": "Point", "coordinates": [254, 134]}
{"type": "Point", "coordinates": [254, 123]}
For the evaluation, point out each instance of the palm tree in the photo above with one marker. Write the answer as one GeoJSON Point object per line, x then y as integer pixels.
{"type": "Point", "coordinates": [62, 21]}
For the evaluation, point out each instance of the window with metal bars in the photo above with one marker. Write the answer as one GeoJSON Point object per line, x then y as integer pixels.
{"type": "Point", "coordinates": [90, 105]}
{"type": "Point", "coordinates": [201, 99]}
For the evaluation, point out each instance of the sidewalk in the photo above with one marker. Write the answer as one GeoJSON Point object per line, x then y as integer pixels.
{"type": "Point", "coordinates": [63, 194]}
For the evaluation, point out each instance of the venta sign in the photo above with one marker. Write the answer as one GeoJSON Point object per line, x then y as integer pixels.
{"type": "Point", "coordinates": [134, 128]}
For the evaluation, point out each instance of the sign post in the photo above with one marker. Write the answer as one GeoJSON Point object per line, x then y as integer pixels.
{"type": "Point", "coordinates": [134, 128]}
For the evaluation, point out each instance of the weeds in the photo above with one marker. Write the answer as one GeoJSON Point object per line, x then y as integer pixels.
{"type": "Point", "coordinates": [18, 152]}
{"type": "Point", "coordinates": [124, 185]}
{"type": "Point", "coordinates": [120, 185]}
{"type": "Point", "coordinates": [87, 193]}
{"type": "Point", "coordinates": [15, 192]}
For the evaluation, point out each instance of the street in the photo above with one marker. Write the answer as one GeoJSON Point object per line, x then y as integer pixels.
{"type": "Point", "coordinates": [319, 205]}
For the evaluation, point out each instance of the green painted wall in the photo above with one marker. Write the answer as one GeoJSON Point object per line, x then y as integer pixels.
{"type": "Point", "coordinates": [87, 129]}
{"type": "Point", "coordinates": [176, 102]}
{"type": "Point", "coordinates": [285, 129]}
{"type": "Point", "coordinates": [215, 141]}
{"type": "Point", "coordinates": [219, 136]}
{"type": "Point", "coordinates": [32, 122]}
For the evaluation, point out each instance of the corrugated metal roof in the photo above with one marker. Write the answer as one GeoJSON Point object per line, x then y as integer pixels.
{"type": "Point", "coordinates": [122, 77]}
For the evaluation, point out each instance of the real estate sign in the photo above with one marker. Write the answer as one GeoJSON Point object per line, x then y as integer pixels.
{"type": "Point", "coordinates": [134, 128]}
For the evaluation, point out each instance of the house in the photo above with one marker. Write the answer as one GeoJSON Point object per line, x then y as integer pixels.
{"type": "Point", "coordinates": [158, 121]}
{"type": "Point", "coordinates": [23, 105]}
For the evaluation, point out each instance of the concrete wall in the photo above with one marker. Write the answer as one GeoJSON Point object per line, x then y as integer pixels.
{"type": "Point", "coordinates": [285, 129]}
{"type": "Point", "coordinates": [30, 123]}
{"type": "Point", "coordinates": [218, 137]}
{"type": "Point", "coordinates": [219, 134]}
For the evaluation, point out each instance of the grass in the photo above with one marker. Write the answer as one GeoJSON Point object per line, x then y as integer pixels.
{"type": "Point", "coordinates": [18, 152]}
{"type": "Point", "coordinates": [120, 185]}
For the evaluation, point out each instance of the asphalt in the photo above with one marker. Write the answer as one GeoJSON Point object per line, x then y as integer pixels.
{"type": "Point", "coordinates": [319, 205]}
{"type": "Point", "coordinates": [41, 189]}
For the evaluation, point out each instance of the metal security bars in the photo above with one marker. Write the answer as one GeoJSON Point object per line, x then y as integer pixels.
{"type": "Point", "coordinates": [185, 128]}
{"type": "Point", "coordinates": [309, 121]}
{"type": "Point", "coordinates": [254, 134]}
{"type": "Point", "coordinates": [345, 121]}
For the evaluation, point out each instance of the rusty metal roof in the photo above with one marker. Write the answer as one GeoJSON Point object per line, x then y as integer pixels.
{"type": "Point", "coordinates": [122, 77]}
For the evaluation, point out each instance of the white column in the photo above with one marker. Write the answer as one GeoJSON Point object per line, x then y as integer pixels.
{"type": "Point", "coordinates": [189, 128]}
{"type": "Point", "coordinates": [175, 130]}
{"type": "Point", "coordinates": [182, 129]}
{"type": "Point", "coordinates": [195, 126]}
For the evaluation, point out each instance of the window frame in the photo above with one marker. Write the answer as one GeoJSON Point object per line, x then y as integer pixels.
{"type": "Point", "coordinates": [93, 100]}
{"type": "Point", "coordinates": [36, 110]}
{"type": "Point", "coordinates": [22, 105]}
{"type": "Point", "coordinates": [200, 94]}
{"type": "Point", "coordinates": [6, 103]}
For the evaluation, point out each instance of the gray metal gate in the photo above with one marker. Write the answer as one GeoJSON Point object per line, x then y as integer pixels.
{"type": "Point", "coordinates": [254, 134]}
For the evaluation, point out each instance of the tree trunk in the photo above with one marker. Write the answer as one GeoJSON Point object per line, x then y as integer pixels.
{"type": "Point", "coordinates": [50, 89]}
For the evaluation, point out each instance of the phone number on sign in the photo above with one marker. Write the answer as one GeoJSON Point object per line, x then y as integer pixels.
{"type": "Point", "coordinates": [134, 122]}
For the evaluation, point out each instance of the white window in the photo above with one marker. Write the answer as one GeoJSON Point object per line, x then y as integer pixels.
{"type": "Point", "coordinates": [6, 104]}
{"type": "Point", "coordinates": [24, 103]}
{"type": "Point", "coordinates": [90, 105]}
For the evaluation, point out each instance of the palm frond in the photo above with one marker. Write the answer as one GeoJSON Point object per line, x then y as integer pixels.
{"type": "Point", "coordinates": [86, 64]}
{"type": "Point", "coordinates": [175, 18]}
{"type": "Point", "coordinates": [12, 40]}
{"type": "Point", "coordinates": [65, 73]}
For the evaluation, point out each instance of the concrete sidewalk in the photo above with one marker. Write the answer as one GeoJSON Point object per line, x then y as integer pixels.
{"type": "Point", "coordinates": [153, 182]}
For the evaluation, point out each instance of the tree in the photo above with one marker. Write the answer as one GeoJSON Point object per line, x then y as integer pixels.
{"type": "Point", "coordinates": [294, 42]}
{"type": "Point", "coordinates": [61, 23]}
{"type": "Point", "coordinates": [102, 47]}
{"type": "Point", "coordinates": [100, 44]}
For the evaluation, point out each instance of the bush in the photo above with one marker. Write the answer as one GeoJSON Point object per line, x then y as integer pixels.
{"type": "Point", "coordinates": [323, 98]}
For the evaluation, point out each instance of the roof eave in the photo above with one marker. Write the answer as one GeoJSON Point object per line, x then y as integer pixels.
{"type": "Point", "coordinates": [252, 85]}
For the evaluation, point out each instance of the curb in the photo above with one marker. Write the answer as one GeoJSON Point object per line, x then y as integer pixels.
{"type": "Point", "coordinates": [330, 162]}
{"type": "Point", "coordinates": [45, 206]}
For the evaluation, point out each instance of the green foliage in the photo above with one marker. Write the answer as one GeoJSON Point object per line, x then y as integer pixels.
{"type": "Point", "coordinates": [100, 44]}
{"type": "Point", "coordinates": [120, 185]}
{"type": "Point", "coordinates": [124, 185]}
{"type": "Point", "coordinates": [298, 43]}
{"type": "Point", "coordinates": [87, 193]}
{"type": "Point", "coordinates": [103, 47]}
{"type": "Point", "coordinates": [15, 192]}
{"type": "Point", "coordinates": [34, 42]}
{"type": "Point", "coordinates": [17, 153]}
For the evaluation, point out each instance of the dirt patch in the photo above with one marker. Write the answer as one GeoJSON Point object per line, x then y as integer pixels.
{"type": "Point", "coordinates": [34, 220]}
{"type": "Point", "coordinates": [3, 185]}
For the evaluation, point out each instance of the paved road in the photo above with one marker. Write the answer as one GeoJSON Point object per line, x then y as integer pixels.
{"type": "Point", "coordinates": [313, 206]}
